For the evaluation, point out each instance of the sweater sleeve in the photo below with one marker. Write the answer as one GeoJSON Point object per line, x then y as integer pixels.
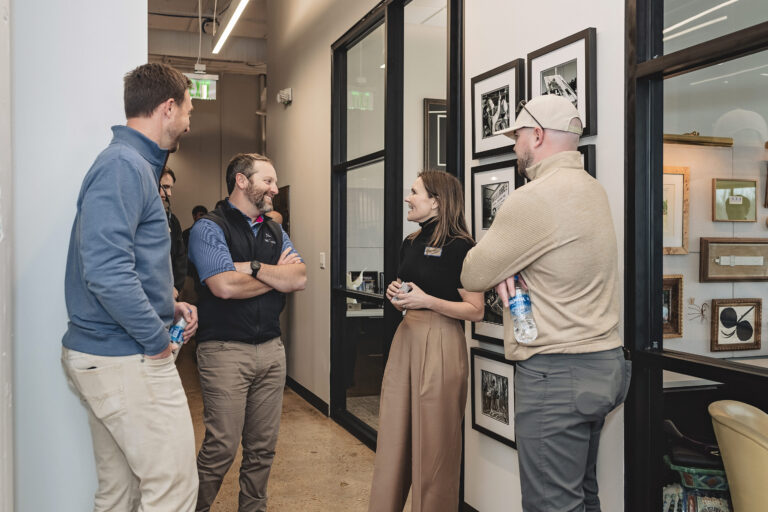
{"type": "Point", "coordinates": [521, 232]}
{"type": "Point", "coordinates": [111, 211]}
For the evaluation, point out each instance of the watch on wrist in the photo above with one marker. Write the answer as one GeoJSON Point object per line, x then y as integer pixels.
{"type": "Point", "coordinates": [255, 267]}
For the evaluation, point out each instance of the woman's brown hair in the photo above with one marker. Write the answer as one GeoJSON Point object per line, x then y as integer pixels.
{"type": "Point", "coordinates": [450, 208]}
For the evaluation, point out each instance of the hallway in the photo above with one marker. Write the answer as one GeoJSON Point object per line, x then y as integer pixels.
{"type": "Point", "coordinates": [318, 465]}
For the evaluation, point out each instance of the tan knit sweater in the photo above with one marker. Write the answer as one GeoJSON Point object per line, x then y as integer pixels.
{"type": "Point", "coordinates": [558, 233]}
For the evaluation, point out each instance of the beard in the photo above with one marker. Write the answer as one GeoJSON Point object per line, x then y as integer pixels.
{"type": "Point", "coordinates": [259, 198]}
{"type": "Point", "coordinates": [523, 162]}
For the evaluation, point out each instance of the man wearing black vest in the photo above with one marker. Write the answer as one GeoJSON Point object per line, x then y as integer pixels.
{"type": "Point", "coordinates": [246, 264]}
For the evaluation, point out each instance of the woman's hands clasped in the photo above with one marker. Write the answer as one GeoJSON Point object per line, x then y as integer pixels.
{"type": "Point", "coordinates": [416, 298]}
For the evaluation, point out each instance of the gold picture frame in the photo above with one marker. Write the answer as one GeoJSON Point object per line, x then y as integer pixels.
{"type": "Point", "coordinates": [672, 306]}
{"type": "Point", "coordinates": [735, 324]}
{"type": "Point", "coordinates": [733, 259]}
{"type": "Point", "coordinates": [734, 199]}
{"type": "Point", "coordinates": [675, 209]}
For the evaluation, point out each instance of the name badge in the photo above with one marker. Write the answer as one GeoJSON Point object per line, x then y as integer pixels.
{"type": "Point", "coordinates": [433, 251]}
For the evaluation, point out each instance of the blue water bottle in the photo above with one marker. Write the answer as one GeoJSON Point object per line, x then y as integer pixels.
{"type": "Point", "coordinates": [177, 331]}
{"type": "Point", "coordinates": [522, 315]}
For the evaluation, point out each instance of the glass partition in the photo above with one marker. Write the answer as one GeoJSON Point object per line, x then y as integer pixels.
{"type": "Point", "coordinates": [366, 79]}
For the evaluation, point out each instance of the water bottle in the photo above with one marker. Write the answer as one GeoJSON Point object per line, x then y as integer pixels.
{"type": "Point", "coordinates": [404, 288]}
{"type": "Point", "coordinates": [522, 315]}
{"type": "Point", "coordinates": [177, 331]}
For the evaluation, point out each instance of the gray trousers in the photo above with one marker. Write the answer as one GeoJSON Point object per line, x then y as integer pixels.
{"type": "Point", "coordinates": [561, 401]}
{"type": "Point", "coordinates": [242, 389]}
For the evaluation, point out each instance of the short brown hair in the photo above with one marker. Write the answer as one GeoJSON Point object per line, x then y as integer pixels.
{"type": "Point", "coordinates": [149, 85]}
{"type": "Point", "coordinates": [242, 163]}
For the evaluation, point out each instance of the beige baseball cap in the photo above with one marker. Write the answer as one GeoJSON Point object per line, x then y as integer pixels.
{"type": "Point", "coordinates": [551, 112]}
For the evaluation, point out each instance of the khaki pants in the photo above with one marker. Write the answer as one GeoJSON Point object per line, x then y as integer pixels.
{"type": "Point", "coordinates": [242, 387]}
{"type": "Point", "coordinates": [423, 395]}
{"type": "Point", "coordinates": [142, 431]}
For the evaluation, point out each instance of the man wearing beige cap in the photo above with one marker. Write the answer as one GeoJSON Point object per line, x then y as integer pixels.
{"type": "Point", "coordinates": [557, 233]}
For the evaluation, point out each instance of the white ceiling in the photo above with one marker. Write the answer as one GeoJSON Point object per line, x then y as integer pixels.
{"type": "Point", "coordinates": [252, 23]}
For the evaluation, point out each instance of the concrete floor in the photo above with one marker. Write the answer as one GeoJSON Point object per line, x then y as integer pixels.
{"type": "Point", "coordinates": [318, 466]}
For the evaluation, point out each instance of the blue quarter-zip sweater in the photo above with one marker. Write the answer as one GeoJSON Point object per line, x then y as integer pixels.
{"type": "Point", "coordinates": [118, 282]}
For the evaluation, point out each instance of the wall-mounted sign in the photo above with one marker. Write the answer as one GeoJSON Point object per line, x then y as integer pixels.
{"type": "Point", "coordinates": [359, 100]}
{"type": "Point", "coordinates": [203, 86]}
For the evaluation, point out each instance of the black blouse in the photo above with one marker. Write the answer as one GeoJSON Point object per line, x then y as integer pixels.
{"type": "Point", "coordinates": [434, 270]}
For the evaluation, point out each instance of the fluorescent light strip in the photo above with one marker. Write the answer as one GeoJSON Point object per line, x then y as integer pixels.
{"type": "Point", "coordinates": [697, 27]}
{"type": "Point", "coordinates": [230, 25]}
{"type": "Point", "coordinates": [703, 13]}
{"type": "Point", "coordinates": [730, 74]}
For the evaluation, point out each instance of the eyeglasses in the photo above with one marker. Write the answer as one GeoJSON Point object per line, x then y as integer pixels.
{"type": "Point", "coordinates": [166, 188]}
{"type": "Point", "coordinates": [521, 106]}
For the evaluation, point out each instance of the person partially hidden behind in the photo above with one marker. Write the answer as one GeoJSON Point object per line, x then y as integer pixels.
{"type": "Point", "coordinates": [178, 247]}
{"type": "Point", "coordinates": [246, 265]}
{"type": "Point", "coordinates": [117, 351]}
{"type": "Point", "coordinates": [197, 213]}
{"type": "Point", "coordinates": [557, 233]}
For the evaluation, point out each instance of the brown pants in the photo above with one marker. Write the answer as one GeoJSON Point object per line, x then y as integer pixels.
{"type": "Point", "coordinates": [423, 396]}
{"type": "Point", "coordinates": [242, 389]}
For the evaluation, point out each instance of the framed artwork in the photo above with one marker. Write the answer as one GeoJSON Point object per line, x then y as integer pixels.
{"type": "Point", "coordinates": [672, 306]}
{"type": "Point", "coordinates": [491, 184]}
{"type": "Point", "coordinates": [675, 209]}
{"type": "Point", "coordinates": [736, 324]}
{"type": "Point", "coordinates": [495, 94]}
{"type": "Point", "coordinates": [568, 68]}
{"type": "Point", "coordinates": [733, 259]}
{"type": "Point", "coordinates": [435, 126]}
{"type": "Point", "coordinates": [588, 159]}
{"type": "Point", "coordinates": [493, 395]}
{"type": "Point", "coordinates": [734, 200]}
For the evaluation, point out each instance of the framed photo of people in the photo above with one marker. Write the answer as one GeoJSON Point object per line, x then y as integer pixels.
{"type": "Point", "coordinates": [568, 68]}
{"type": "Point", "coordinates": [736, 324]}
{"type": "Point", "coordinates": [493, 395]}
{"type": "Point", "coordinates": [435, 126]}
{"type": "Point", "coordinates": [491, 185]}
{"type": "Point", "coordinates": [675, 207]}
{"type": "Point", "coordinates": [495, 94]}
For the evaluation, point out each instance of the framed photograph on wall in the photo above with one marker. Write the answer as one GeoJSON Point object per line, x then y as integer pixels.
{"type": "Point", "coordinates": [675, 209]}
{"type": "Point", "coordinates": [733, 259]}
{"type": "Point", "coordinates": [588, 159]}
{"type": "Point", "coordinates": [736, 324]}
{"type": "Point", "coordinates": [493, 395]}
{"type": "Point", "coordinates": [568, 68]}
{"type": "Point", "coordinates": [672, 306]}
{"type": "Point", "coordinates": [435, 126]}
{"type": "Point", "coordinates": [734, 200]}
{"type": "Point", "coordinates": [491, 184]}
{"type": "Point", "coordinates": [495, 94]}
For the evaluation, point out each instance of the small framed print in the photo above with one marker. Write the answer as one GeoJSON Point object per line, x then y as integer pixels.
{"type": "Point", "coordinates": [734, 200]}
{"type": "Point", "coordinates": [493, 395]}
{"type": "Point", "coordinates": [675, 209]}
{"type": "Point", "coordinates": [736, 324]}
{"type": "Point", "coordinates": [568, 68]}
{"type": "Point", "coordinates": [491, 185]}
{"type": "Point", "coordinates": [672, 306]}
{"type": "Point", "coordinates": [588, 159]}
{"type": "Point", "coordinates": [495, 95]}
{"type": "Point", "coordinates": [435, 126]}
{"type": "Point", "coordinates": [733, 259]}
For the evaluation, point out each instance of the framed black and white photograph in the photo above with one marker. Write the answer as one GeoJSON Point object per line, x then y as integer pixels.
{"type": "Point", "coordinates": [435, 125]}
{"type": "Point", "coordinates": [493, 396]}
{"type": "Point", "coordinates": [568, 68]}
{"type": "Point", "coordinates": [495, 94]}
{"type": "Point", "coordinates": [491, 185]}
{"type": "Point", "coordinates": [736, 324]}
{"type": "Point", "coordinates": [588, 159]}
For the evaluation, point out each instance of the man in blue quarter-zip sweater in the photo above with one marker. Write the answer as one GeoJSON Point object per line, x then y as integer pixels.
{"type": "Point", "coordinates": [117, 351]}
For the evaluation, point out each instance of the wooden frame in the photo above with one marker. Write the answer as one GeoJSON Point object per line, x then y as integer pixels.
{"type": "Point", "coordinates": [731, 318]}
{"type": "Point", "coordinates": [714, 267]}
{"type": "Point", "coordinates": [730, 210]}
{"type": "Point", "coordinates": [675, 224]}
{"type": "Point", "coordinates": [672, 318]}
{"type": "Point", "coordinates": [493, 415]}
{"type": "Point", "coordinates": [586, 95]}
{"type": "Point", "coordinates": [435, 120]}
{"type": "Point", "coordinates": [508, 77]}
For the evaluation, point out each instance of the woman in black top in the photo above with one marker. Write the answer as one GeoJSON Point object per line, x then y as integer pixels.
{"type": "Point", "coordinates": [424, 391]}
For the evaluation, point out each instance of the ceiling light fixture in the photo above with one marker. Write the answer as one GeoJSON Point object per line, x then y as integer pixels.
{"type": "Point", "coordinates": [230, 25]}
{"type": "Point", "coordinates": [697, 16]}
{"type": "Point", "coordinates": [696, 27]}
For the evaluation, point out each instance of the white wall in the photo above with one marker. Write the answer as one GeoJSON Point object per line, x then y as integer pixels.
{"type": "Point", "coordinates": [498, 31]}
{"type": "Point", "coordinates": [299, 141]}
{"type": "Point", "coordinates": [68, 61]}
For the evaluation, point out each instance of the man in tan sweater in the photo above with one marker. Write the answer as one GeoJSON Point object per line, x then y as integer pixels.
{"type": "Point", "coordinates": [557, 233]}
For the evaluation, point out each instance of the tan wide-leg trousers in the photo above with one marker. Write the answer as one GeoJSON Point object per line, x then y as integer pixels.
{"type": "Point", "coordinates": [423, 395]}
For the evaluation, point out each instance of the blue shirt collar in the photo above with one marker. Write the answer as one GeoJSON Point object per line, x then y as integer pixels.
{"type": "Point", "coordinates": [146, 147]}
